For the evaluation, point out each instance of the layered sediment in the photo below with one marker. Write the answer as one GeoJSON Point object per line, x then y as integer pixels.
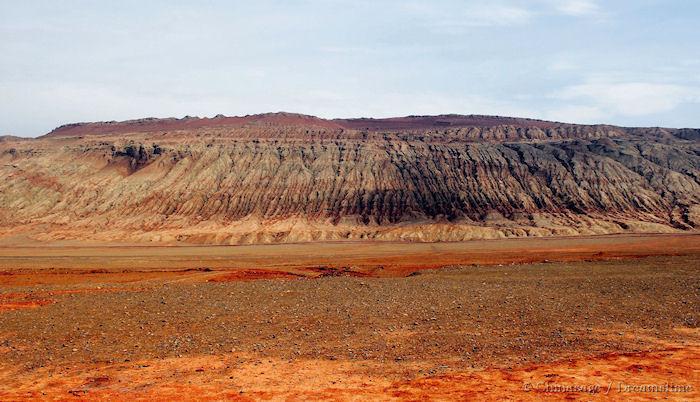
{"type": "Point", "coordinates": [288, 178]}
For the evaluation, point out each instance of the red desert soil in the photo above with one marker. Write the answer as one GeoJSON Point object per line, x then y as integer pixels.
{"type": "Point", "coordinates": [610, 318]}
{"type": "Point", "coordinates": [253, 274]}
{"type": "Point", "coordinates": [6, 304]}
{"type": "Point", "coordinates": [608, 377]}
{"type": "Point", "coordinates": [73, 264]}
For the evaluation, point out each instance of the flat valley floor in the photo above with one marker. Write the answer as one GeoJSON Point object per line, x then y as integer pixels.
{"type": "Point", "coordinates": [605, 317]}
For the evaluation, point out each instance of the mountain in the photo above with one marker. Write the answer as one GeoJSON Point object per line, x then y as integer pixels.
{"type": "Point", "coordinates": [11, 138]}
{"type": "Point", "coordinates": [284, 177]}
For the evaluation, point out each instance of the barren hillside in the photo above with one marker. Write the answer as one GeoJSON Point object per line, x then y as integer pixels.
{"type": "Point", "coordinates": [285, 178]}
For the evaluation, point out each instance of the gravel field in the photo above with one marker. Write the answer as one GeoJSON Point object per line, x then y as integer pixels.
{"type": "Point", "coordinates": [449, 320]}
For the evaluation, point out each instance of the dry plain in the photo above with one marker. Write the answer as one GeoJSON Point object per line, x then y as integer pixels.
{"type": "Point", "coordinates": [514, 319]}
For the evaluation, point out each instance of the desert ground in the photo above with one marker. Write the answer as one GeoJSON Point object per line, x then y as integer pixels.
{"type": "Point", "coordinates": [601, 317]}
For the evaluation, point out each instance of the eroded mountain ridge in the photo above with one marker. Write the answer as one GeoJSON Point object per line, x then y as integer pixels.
{"type": "Point", "coordinates": [287, 178]}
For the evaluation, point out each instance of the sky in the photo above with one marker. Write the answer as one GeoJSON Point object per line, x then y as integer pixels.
{"type": "Point", "coordinates": [625, 62]}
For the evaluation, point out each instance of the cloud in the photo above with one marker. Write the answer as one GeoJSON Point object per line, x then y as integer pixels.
{"type": "Point", "coordinates": [75, 102]}
{"type": "Point", "coordinates": [332, 105]}
{"type": "Point", "coordinates": [577, 8]}
{"type": "Point", "coordinates": [452, 19]}
{"type": "Point", "coordinates": [494, 15]}
{"type": "Point", "coordinates": [561, 64]}
{"type": "Point", "coordinates": [579, 114]}
{"type": "Point", "coordinates": [632, 99]}
{"type": "Point", "coordinates": [592, 102]}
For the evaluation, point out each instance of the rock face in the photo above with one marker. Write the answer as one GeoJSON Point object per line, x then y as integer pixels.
{"type": "Point", "coordinates": [287, 178]}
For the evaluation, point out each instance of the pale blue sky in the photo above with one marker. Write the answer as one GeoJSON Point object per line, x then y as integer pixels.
{"type": "Point", "coordinates": [633, 62]}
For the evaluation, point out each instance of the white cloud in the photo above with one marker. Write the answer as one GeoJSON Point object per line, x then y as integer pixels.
{"type": "Point", "coordinates": [457, 19]}
{"type": "Point", "coordinates": [494, 15]}
{"type": "Point", "coordinates": [75, 102]}
{"type": "Point", "coordinates": [598, 102]}
{"type": "Point", "coordinates": [579, 114]}
{"type": "Point", "coordinates": [577, 7]}
{"type": "Point", "coordinates": [331, 105]}
{"type": "Point", "coordinates": [445, 17]}
{"type": "Point", "coordinates": [559, 65]}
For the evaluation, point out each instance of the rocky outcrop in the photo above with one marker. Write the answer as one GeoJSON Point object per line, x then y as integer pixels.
{"type": "Point", "coordinates": [283, 178]}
